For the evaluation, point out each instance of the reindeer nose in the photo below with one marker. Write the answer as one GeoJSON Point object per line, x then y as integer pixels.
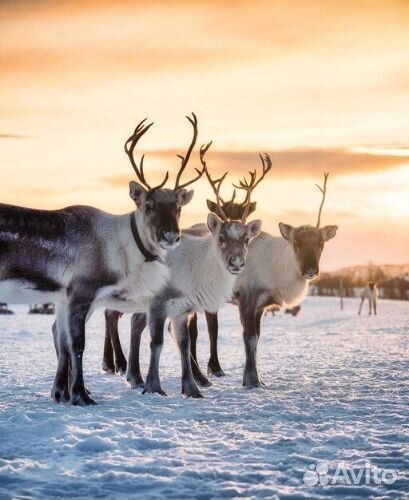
{"type": "Point", "coordinates": [310, 273]}
{"type": "Point", "coordinates": [170, 237]}
{"type": "Point", "coordinates": [236, 262]}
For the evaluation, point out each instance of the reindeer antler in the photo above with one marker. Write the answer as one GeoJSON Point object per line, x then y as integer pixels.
{"type": "Point", "coordinates": [231, 200]}
{"type": "Point", "coordinates": [216, 183]}
{"type": "Point", "coordinates": [324, 192]}
{"type": "Point", "coordinates": [185, 159]}
{"type": "Point", "coordinates": [130, 144]}
{"type": "Point", "coordinates": [250, 185]}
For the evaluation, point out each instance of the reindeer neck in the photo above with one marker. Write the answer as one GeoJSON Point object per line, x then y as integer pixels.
{"type": "Point", "coordinates": [139, 233]}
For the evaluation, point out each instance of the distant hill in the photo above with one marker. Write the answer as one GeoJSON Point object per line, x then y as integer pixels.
{"type": "Point", "coordinates": [392, 280]}
{"type": "Point", "coordinates": [363, 273]}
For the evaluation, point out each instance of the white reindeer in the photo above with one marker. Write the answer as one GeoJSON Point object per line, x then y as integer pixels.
{"type": "Point", "coordinates": [370, 292]}
{"type": "Point", "coordinates": [82, 258]}
{"type": "Point", "coordinates": [203, 273]}
{"type": "Point", "coordinates": [277, 272]}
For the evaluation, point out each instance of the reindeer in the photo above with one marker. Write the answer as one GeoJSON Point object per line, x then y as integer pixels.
{"type": "Point", "coordinates": [203, 272]}
{"type": "Point", "coordinates": [277, 273]}
{"type": "Point", "coordinates": [370, 292]}
{"type": "Point", "coordinates": [114, 359]}
{"type": "Point", "coordinates": [82, 258]}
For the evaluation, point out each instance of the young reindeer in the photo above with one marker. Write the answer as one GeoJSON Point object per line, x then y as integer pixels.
{"type": "Point", "coordinates": [277, 272]}
{"type": "Point", "coordinates": [82, 258]}
{"type": "Point", "coordinates": [203, 272]}
{"type": "Point", "coordinates": [370, 292]}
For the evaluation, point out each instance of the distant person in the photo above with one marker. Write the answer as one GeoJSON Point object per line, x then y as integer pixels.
{"type": "Point", "coordinates": [370, 292]}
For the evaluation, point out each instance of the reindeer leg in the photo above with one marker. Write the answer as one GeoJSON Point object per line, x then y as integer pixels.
{"type": "Point", "coordinates": [133, 375]}
{"type": "Point", "coordinates": [360, 305]}
{"type": "Point", "coordinates": [257, 322]}
{"type": "Point", "coordinates": [108, 364]}
{"type": "Point", "coordinates": [156, 323]}
{"type": "Point", "coordinates": [200, 378]}
{"type": "Point", "coordinates": [181, 334]}
{"type": "Point", "coordinates": [213, 366]}
{"type": "Point", "coordinates": [370, 306]}
{"type": "Point", "coordinates": [60, 390]}
{"type": "Point", "coordinates": [374, 307]}
{"type": "Point", "coordinates": [247, 316]}
{"type": "Point", "coordinates": [120, 360]}
{"type": "Point", "coordinates": [77, 313]}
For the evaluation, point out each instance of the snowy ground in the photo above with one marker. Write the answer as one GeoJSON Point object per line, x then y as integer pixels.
{"type": "Point", "coordinates": [337, 395]}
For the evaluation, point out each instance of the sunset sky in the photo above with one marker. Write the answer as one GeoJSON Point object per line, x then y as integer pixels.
{"type": "Point", "coordinates": [320, 85]}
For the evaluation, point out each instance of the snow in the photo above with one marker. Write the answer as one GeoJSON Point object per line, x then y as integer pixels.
{"type": "Point", "coordinates": [336, 392]}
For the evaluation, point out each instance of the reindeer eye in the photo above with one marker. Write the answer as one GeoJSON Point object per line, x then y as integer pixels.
{"type": "Point", "coordinates": [148, 206]}
{"type": "Point", "coordinates": [222, 240]}
{"type": "Point", "coordinates": [246, 241]}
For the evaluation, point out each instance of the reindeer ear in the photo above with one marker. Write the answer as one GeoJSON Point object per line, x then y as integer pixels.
{"type": "Point", "coordinates": [184, 197]}
{"type": "Point", "coordinates": [287, 231]}
{"type": "Point", "coordinates": [137, 193]}
{"type": "Point", "coordinates": [213, 223]}
{"type": "Point", "coordinates": [253, 228]}
{"type": "Point", "coordinates": [212, 206]}
{"type": "Point", "coordinates": [328, 232]}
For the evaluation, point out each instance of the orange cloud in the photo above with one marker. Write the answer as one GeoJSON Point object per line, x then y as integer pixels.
{"type": "Point", "coordinates": [309, 163]}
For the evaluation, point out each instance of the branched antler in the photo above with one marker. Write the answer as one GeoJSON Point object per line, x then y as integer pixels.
{"type": "Point", "coordinates": [185, 159]}
{"type": "Point", "coordinates": [130, 144]}
{"type": "Point", "coordinates": [324, 192]}
{"type": "Point", "coordinates": [216, 183]}
{"type": "Point", "coordinates": [250, 185]}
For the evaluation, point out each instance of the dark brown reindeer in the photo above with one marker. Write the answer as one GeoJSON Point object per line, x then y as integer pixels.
{"type": "Point", "coordinates": [82, 258]}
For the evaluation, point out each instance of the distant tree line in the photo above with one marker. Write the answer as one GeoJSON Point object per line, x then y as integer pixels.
{"type": "Point", "coordinates": [349, 284]}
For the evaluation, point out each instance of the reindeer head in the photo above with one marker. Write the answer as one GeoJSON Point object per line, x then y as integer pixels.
{"type": "Point", "coordinates": [371, 285]}
{"type": "Point", "coordinates": [232, 235]}
{"type": "Point", "coordinates": [232, 239]}
{"type": "Point", "coordinates": [308, 241]}
{"type": "Point", "coordinates": [161, 207]}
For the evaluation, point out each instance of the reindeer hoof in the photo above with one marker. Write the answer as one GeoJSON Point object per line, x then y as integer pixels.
{"type": "Point", "coordinates": [202, 380]}
{"type": "Point", "coordinates": [59, 395]}
{"type": "Point", "coordinates": [191, 391]}
{"type": "Point", "coordinates": [251, 380]}
{"type": "Point", "coordinates": [194, 394]}
{"type": "Point", "coordinates": [251, 385]}
{"type": "Point", "coordinates": [82, 399]}
{"type": "Point", "coordinates": [152, 387]}
{"type": "Point", "coordinates": [216, 373]}
{"type": "Point", "coordinates": [121, 366]}
{"type": "Point", "coordinates": [108, 367]}
{"type": "Point", "coordinates": [215, 370]}
{"type": "Point", "coordinates": [135, 381]}
{"type": "Point", "coordinates": [156, 391]}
